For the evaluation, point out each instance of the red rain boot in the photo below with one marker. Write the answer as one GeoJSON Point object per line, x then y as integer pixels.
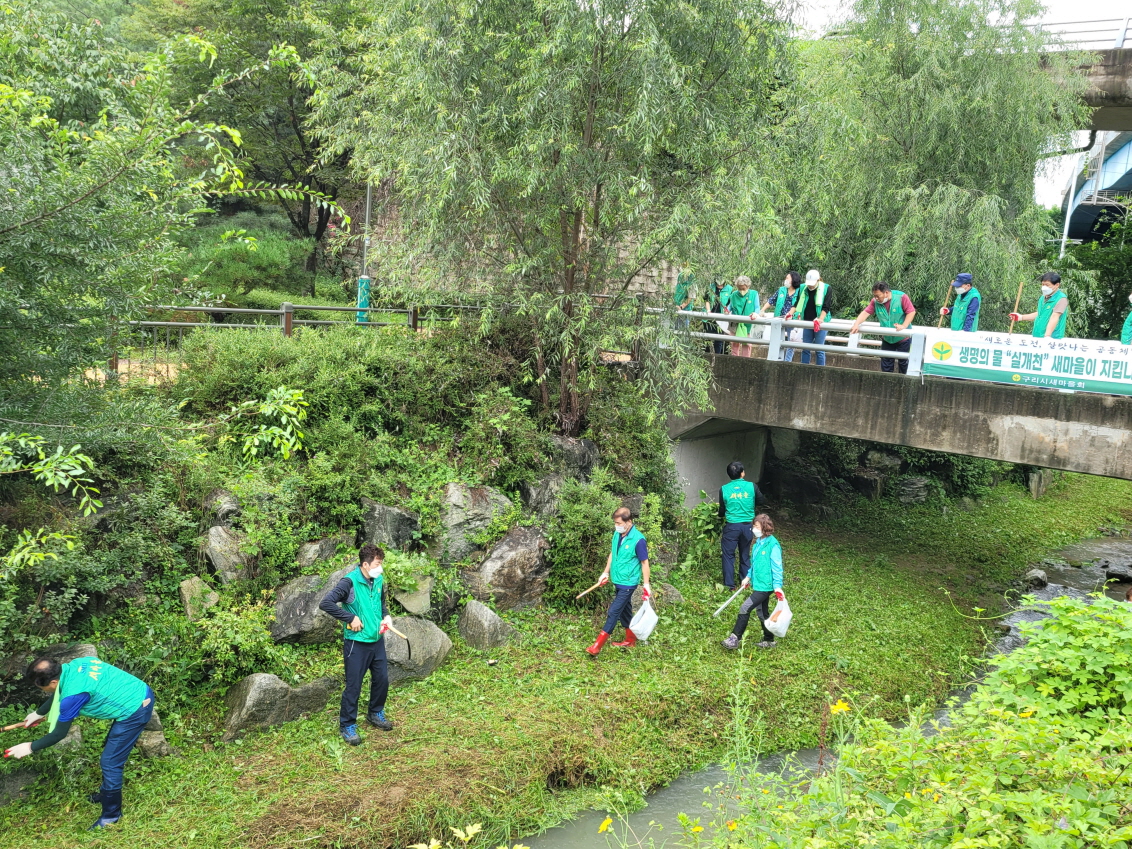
{"type": "Point", "coordinates": [627, 643]}
{"type": "Point", "coordinates": [598, 643]}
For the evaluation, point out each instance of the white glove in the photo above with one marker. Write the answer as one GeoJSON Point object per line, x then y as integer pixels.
{"type": "Point", "coordinates": [21, 750]}
{"type": "Point", "coordinates": [31, 719]}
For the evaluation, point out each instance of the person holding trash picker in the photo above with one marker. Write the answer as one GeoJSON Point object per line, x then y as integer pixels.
{"type": "Point", "coordinates": [682, 294]}
{"type": "Point", "coordinates": [965, 311]}
{"type": "Point", "coordinates": [781, 302]}
{"type": "Point", "coordinates": [716, 299]}
{"type": "Point", "coordinates": [1053, 309]}
{"type": "Point", "coordinates": [814, 303]}
{"type": "Point", "coordinates": [892, 308]}
{"type": "Point", "coordinates": [764, 580]}
{"type": "Point", "coordinates": [358, 601]}
{"type": "Point", "coordinates": [627, 566]}
{"type": "Point", "coordinates": [737, 502]}
{"type": "Point", "coordinates": [90, 687]}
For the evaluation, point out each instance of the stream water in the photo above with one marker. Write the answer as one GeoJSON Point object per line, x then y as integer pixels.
{"type": "Point", "coordinates": [657, 824]}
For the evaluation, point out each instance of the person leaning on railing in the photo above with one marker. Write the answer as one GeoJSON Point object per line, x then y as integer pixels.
{"type": "Point", "coordinates": [1053, 309]}
{"type": "Point", "coordinates": [814, 303]}
{"type": "Point", "coordinates": [781, 302]}
{"type": "Point", "coordinates": [892, 308]}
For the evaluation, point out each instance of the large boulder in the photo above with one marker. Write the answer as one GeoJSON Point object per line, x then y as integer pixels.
{"type": "Point", "coordinates": [297, 617]}
{"type": "Point", "coordinates": [913, 490]}
{"type": "Point", "coordinates": [419, 601]}
{"type": "Point", "coordinates": [464, 513]}
{"type": "Point", "coordinates": [1036, 578]}
{"type": "Point", "coordinates": [222, 506]}
{"type": "Point", "coordinates": [197, 597]}
{"type": "Point", "coordinates": [262, 700]}
{"type": "Point", "coordinates": [663, 595]}
{"type": "Point", "coordinates": [429, 646]}
{"type": "Point", "coordinates": [222, 550]}
{"type": "Point", "coordinates": [514, 572]}
{"type": "Point", "coordinates": [311, 553]}
{"type": "Point", "coordinates": [388, 527]}
{"type": "Point", "coordinates": [481, 628]}
{"type": "Point", "coordinates": [577, 456]}
{"type": "Point", "coordinates": [542, 496]}
{"type": "Point", "coordinates": [152, 742]}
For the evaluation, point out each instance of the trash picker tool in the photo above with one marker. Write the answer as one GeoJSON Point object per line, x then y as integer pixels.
{"type": "Point", "coordinates": [946, 304]}
{"type": "Point", "coordinates": [408, 645]}
{"type": "Point", "coordinates": [734, 596]}
{"type": "Point", "coordinates": [1017, 302]}
{"type": "Point", "coordinates": [16, 725]}
{"type": "Point", "coordinates": [591, 589]}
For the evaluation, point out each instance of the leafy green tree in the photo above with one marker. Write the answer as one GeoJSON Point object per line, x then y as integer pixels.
{"type": "Point", "coordinates": [556, 150]}
{"type": "Point", "coordinates": [910, 150]}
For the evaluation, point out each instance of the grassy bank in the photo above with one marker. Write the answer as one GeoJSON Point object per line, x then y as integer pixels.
{"type": "Point", "coordinates": [546, 731]}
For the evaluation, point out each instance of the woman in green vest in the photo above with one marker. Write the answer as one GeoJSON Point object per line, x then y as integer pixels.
{"type": "Point", "coordinates": [783, 301]}
{"type": "Point", "coordinates": [716, 299]}
{"type": "Point", "coordinates": [764, 579]}
{"type": "Point", "coordinates": [1053, 309]}
{"type": "Point", "coordinates": [892, 308]}
{"type": "Point", "coordinates": [627, 566]}
{"type": "Point", "coordinates": [965, 311]}
{"type": "Point", "coordinates": [91, 687]}
{"type": "Point", "coordinates": [1126, 330]}
{"type": "Point", "coordinates": [744, 301]}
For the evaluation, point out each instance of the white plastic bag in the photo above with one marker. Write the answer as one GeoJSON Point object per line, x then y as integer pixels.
{"type": "Point", "coordinates": [779, 621]}
{"type": "Point", "coordinates": [644, 621]}
{"type": "Point", "coordinates": [795, 334]}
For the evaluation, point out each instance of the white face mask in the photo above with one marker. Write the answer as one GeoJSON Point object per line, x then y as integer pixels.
{"type": "Point", "coordinates": [374, 571]}
{"type": "Point", "coordinates": [758, 532]}
{"type": "Point", "coordinates": [1047, 290]}
{"type": "Point", "coordinates": [621, 529]}
{"type": "Point", "coordinates": [1130, 299]}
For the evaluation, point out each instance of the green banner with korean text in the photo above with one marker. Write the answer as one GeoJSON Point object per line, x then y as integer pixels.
{"type": "Point", "coordinates": [1081, 365]}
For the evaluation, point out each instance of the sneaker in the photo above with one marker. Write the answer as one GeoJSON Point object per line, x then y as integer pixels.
{"type": "Point", "coordinates": [731, 643]}
{"type": "Point", "coordinates": [378, 720]}
{"type": "Point", "coordinates": [102, 822]}
{"type": "Point", "coordinates": [765, 644]}
{"type": "Point", "coordinates": [350, 735]}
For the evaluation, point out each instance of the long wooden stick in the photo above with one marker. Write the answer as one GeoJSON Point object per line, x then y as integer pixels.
{"type": "Point", "coordinates": [591, 589]}
{"type": "Point", "coordinates": [16, 725]}
{"type": "Point", "coordinates": [946, 301]}
{"type": "Point", "coordinates": [1017, 301]}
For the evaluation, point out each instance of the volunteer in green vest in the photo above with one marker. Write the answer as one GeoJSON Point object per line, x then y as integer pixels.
{"type": "Point", "coordinates": [91, 687]}
{"type": "Point", "coordinates": [965, 310]}
{"type": "Point", "coordinates": [358, 602]}
{"type": "Point", "coordinates": [892, 308]}
{"type": "Point", "coordinates": [815, 303]}
{"type": "Point", "coordinates": [1126, 330]}
{"type": "Point", "coordinates": [627, 566]}
{"type": "Point", "coordinates": [1053, 309]}
{"type": "Point", "coordinates": [744, 301]}
{"type": "Point", "coordinates": [782, 301]}
{"type": "Point", "coordinates": [737, 500]}
{"type": "Point", "coordinates": [682, 294]}
{"type": "Point", "coordinates": [716, 299]}
{"type": "Point", "coordinates": [765, 579]}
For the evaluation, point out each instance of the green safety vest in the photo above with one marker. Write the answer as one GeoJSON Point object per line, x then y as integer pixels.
{"type": "Point", "coordinates": [743, 305]}
{"type": "Point", "coordinates": [1045, 310]}
{"type": "Point", "coordinates": [1126, 330]}
{"type": "Point", "coordinates": [762, 567]}
{"type": "Point", "coordinates": [959, 311]}
{"type": "Point", "coordinates": [722, 297]}
{"type": "Point", "coordinates": [739, 501]}
{"type": "Point", "coordinates": [366, 606]}
{"type": "Point", "coordinates": [890, 314]}
{"type": "Point", "coordinates": [684, 283]}
{"type": "Point", "coordinates": [804, 296]}
{"type": "Point", "coordinates": [625, 568]}
{"type": "Point", "coordinates": [114, 693]}
{"type": "Point", "coordinates": [780, 301]}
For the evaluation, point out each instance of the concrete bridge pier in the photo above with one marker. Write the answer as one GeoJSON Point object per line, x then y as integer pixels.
{"type": "Point", "coordinates": [705, 449]}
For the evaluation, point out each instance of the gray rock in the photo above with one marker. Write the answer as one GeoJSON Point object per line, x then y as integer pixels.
{"type": "Point", "coordinates": [297, 617]}
{"type": "Point", "coordinates": [14, 785]}
{"type": "Point", "coordinates": [514, 572]}
{"type": "Point", "coordinates": [223, 506]}
{"type": "Point", "coordinates": [578, 456]}
{"type": "Point", "coordinates": [73, 740]}
{"type": "Point", "coordinates": [197, 597]}
{"type": "Point", "coordinates": [262, 700]}
{"type": "Point", "coordinates": [222, 549]}
{"type": "Point", "coordinates": [429, 644]}
{"type": "Point", "coordinates": [868, 482]}
{"type": "Point", "coordinates": [311, 553]}
{"type": "Point", "coordinates": [784, 442]}
{"type": "Point", "coordinates": [800, 483]}
{"type": "Point", "coordinates": [883, 461]}
{"type": "Point", "coordinates": [481, 628]}
{"type": "Point", "coordinates": [913, 490]}
{"type": "Point", "coordinates": [75, 652]}
{"type": "Point", "coordinates": [466, 512]}
{"type": "Point", "coordinates": [1036, 578]}
{"type": "Point", "coordinates": [541, 497]}
{"type": "Point", "coordinates": [1113, 572]}
{"type": "Point", "coordinates": [635, 501]}
{"type": "Point", "coordinates": [1038, 481]}
{"type": "Point", "coordinates": [663, 595]}
{"type": "Point", "coordinates": [388, 527]}
{"type": "Point", "coordinates": [418, 602]}
{"type": "Point", "coordinates": [152, 742]}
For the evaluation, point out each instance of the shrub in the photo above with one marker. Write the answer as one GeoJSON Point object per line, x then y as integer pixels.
{"type": "Point", "coordinates": [579, 538]}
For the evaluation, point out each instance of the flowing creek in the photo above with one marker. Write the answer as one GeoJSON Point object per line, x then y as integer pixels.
{"type": "Point", "coordinates": [1083, 571]}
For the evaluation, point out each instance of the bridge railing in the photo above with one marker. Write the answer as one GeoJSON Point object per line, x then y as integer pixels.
{"type": "Point", "coordinates": [1096, 34]}
{"type": "Point", "coordinates": [774, 336]}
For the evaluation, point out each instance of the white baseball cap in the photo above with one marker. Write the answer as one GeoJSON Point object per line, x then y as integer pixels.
{"type": "Point", "coordinates": [813, 275]}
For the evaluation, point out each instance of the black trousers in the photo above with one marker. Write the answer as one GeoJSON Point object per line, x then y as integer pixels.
{"type": "Point", "coordinates": [736, 535]}
{"type": "Point", "coordinates": [359, 657]}
{"type": "Point", "coordinates": [903, 346]}
{"type": "Point", "coordinates": [759, 602]}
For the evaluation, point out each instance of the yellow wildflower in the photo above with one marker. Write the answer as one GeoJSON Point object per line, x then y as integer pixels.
{"type": "Point", "coordinates": [840, 706]}
{"type": "Point", "coordinates": [732, 825]}
{"type": "Point", "coordinates": [605, 824]}
{"type": "Point", "coordinates": [696, 829]}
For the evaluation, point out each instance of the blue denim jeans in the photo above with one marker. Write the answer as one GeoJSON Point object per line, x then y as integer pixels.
{"type": "Point", "coordinates": [621, 608]}
{"type": "Point", "coordinates": [120, 740]}
{"type": "Point", "coordinates": [818, 338]}
{"type": "Point", "coordinates": [736, 535]}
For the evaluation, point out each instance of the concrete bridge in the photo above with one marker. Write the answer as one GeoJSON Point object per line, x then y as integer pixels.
{"type": "Point", "coordinates": [1110, 89]}
{"type": "Point", "coordinates": [754, 398]}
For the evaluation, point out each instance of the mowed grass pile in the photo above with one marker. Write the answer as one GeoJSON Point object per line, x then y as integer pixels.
{"type": "Point", "coordinates": [522, 744]}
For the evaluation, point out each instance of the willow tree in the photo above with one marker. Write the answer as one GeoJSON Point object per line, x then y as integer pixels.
{"type": "Point", "coordinates": [910, 150]}
{"type": "Point", "coordinates": [555, 150]}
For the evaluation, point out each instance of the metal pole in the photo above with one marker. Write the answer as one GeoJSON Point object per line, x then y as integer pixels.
{"type": "Point", "coordinates": [1069, 204]}
{"type": "Point", "coordinates": [363, 280]}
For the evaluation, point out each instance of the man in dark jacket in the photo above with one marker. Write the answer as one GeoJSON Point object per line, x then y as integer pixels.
{"type": "Point", "coordinates": [358, 602]}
